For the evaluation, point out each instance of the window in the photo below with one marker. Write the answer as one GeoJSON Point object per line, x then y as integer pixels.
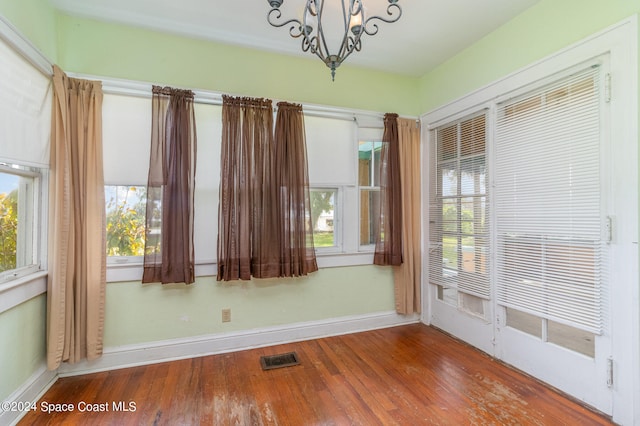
{"type": "Point", "coordinates": [459, 215]}
{"type": "Point", "coordinates": [25, 127]}
{"type": "Point", "coordinates": [369, 183]}
{"type": "Point", "coordinates": [126, 136]}
{"type": "Point", "coordinates": [323, 217]}
{"type": "Point", "coordinates": [126, 206]}
{"type": "Point", "coordinates": [19, 200]}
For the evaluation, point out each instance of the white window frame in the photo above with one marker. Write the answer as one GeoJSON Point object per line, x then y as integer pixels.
{"type": "Point", "coordinates": [28, 222]}
{"type": "Point", "coordinates": [22, 283]}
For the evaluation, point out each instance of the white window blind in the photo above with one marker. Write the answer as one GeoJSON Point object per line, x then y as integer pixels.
{"type": "Point", "coordinates": [331, 150]}
{"type": "Point", "coordinates": [126, 139]}
{"type": "Point", "coordinates": [548, 204]}
{"type": "Point", "coordinates": [459, 210]}
{"type": "Point", "coordinates": [25, 111]}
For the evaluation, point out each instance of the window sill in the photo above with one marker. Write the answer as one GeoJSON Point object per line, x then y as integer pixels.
{"type": "Point", "coordinates": [18, 291]}
{"type": "Point", "coordinates": [132, 271]}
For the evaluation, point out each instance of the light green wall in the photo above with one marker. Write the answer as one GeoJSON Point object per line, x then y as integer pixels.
{"type": "Point", "coordinates": [22, 343]}
{"type": "Point", "coordinates": [543, 29]}
{"type": "Point", "coordinates": [104, 49]}
{"type": "Point", "coordinates": [137, 314]}
{"type": "Point", "coordinates": [36, 20]}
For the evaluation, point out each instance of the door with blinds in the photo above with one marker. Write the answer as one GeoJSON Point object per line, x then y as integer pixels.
{"type": "Point", "coordinates": [459, 231]}
{"type": "Point", "coordinates": [518, 232]}
{"type": "Point", "coordinates": [551, 235]}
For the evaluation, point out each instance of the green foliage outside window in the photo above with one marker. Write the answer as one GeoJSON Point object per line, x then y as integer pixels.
{"type": "Point", "coordinates": [8, 230]}
{"type": "Point", "coordinates": [125, 220]}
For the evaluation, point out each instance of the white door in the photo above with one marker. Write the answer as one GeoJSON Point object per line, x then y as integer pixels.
{"type": "Point", "coordinates": [551, 239]}
{"type": "Point", "coordinates": [518, 231]}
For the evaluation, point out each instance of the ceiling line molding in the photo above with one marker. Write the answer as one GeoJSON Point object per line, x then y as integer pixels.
{"type": "Point", "coordinates": [21, 44]}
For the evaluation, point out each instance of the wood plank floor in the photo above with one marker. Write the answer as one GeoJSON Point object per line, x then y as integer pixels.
{"type": "Point", "coordinates": [408, 375]}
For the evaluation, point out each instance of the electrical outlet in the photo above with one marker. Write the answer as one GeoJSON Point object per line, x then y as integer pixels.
{"type": "Point", "coordinates": [226, 315]}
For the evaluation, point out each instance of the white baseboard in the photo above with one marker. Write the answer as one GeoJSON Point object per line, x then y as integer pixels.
{"type": "Point", "coordinates": [30, 392]}
{"type": "Point", "coordinates": [169, 350]}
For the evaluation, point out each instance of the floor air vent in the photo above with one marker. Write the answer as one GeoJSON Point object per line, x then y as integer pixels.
{"type": "Point", "coordinates": [269, 362]}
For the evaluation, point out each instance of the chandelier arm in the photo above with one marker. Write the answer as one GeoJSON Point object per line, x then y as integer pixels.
{"type": "Point", "coordinates": [391, 9]}
{"type": "Point", "coordinates": [316, 48]}
{"type": "Point", "coordinates": [295, 30]}
{"type": "Point", "coordinates": [373, 31]}
{"type": "Point", "coordinates": [356, 46]}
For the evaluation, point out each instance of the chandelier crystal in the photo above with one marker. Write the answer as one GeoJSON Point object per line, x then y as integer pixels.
{"type": "Point", "coordinates": [354, 24]}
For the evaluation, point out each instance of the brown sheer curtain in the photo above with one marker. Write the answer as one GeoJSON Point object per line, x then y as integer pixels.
{"type": "Point", "coordinates": [388, 249]}
{"type": "Point", "coordinates": [168, 253]}
{"type": "Point", "coordinates": [247, 228]}
{"type": "Point", "coordinates": [264, 225]}
{"type": "Point", "coordinates": [77, 241]}
{"type": "Point", "coordinates": [407, 276]}
{"type": "Point", "coordinates": [297, 254]}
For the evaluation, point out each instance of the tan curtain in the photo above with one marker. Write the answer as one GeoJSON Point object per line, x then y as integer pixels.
{"type": "Point", "coordinates": [388, 249]}
{"type": "Point", "coordinates": [77, 241]}
{"type": "Point", "coordinates": [297, 254]}
{"type": "Point", "coordinates": [247, 231]}
{"type": "Point", "coordinates": [407, 276]}
{"type": "Point", "coordinates": [169, 253]}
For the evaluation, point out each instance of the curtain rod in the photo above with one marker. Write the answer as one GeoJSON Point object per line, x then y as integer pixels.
{"type": "Point", "coordinates": [114, 86]}
{"type": "Point", "coordinates": [27, 50]}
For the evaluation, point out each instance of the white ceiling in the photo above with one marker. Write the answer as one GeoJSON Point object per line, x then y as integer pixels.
{"type": "Point", "coordinates": [428, 33]}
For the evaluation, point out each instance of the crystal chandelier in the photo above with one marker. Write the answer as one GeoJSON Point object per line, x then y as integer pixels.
{"type": "Point", "coordinates": [354, 24]}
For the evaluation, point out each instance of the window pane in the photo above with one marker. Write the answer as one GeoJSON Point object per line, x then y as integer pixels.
{"type": "Point", "coordinates": [522, 321]}
{"type": "Point", "coordinates": [473, 218]}
{"type": "Point", "coordinates": [17, 213]}
{"type": "Point", "coordinates": [571, 338]}
{"type": "Point", "coordinates": [323, 204]}
{"type": "Point", "coordinates": [369, 163]}
{"type": "Point", "coordinates": [450, 215]}
{"type": "Point", "coordinates": [473, 176]}
{"type": "Point", "coordinates": [448, 295]}
{"type": "Point", "coordinates": [450, 252]}
{"type": "Point", "coordinates": [8, 221]}
{"type": "Point", "coordinates": [473, 136]}
{"type": "Point", "coordinates": [448, 143]}
{"type": "Point", "coordinates": [472, 305]}
{"type": "Point", "coordinates": [448, 179]}
{"type": "Point", "coordinates": [125, 220]}
{"type": "Point", "coordinates": [377, 150]}
{"type": "Point", "coordinates": [369, 216]}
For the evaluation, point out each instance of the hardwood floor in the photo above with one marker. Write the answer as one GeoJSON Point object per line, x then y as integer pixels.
{"type": "Point", "coordinates": [408, 375]}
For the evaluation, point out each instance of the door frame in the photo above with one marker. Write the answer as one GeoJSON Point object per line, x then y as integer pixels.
{"type": "Point", "coordinates": [620, 42]}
